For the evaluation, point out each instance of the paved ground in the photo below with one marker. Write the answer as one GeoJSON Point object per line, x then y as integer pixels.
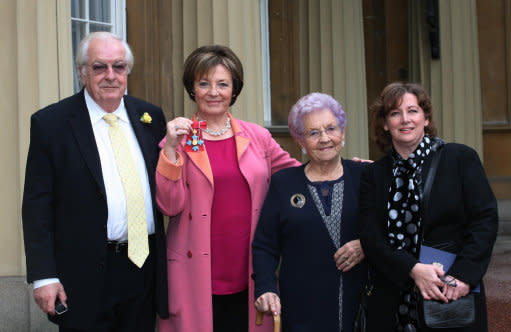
{"type": "Point", "coordinates": [498, 287]}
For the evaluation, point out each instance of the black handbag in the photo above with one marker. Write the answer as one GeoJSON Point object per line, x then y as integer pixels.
{"type": "Point", "coordinates": [454, 314]}
{"type": "Point", "coordinates": [432, 313]}
{"type": "Point", "coordinates": [360, 322]}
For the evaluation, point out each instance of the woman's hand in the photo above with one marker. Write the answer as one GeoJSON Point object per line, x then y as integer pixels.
{"type": "Point", "coordinates": [454, 288]}
{"type": "Point", "coordinates": [359, 160]}
{"type": "Point", "coordinates": [349, 255]}
{"type": "Point", "coordinates": [269, 302]}
{"type": "Point", "coordinates": [427, 279]}
{"type": "Point", "coordinates": [175, 131]}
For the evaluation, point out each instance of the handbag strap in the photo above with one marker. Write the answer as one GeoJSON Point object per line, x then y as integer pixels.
{"type": "Point", "coordinates": [429, 179]}
{"type": "Point", "coordinates": [427, 189]}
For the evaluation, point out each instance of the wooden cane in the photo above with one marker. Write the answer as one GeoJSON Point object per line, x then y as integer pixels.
{"type": "Point", "coordinates": [259, 318]}
{"type": "Point", "coordinates": [276, 321]}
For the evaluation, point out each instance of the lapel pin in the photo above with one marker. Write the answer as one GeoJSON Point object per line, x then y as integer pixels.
{"type": "Point", "coordinates": [298, 200]}
{"type": "Point", "coordinates": [146, 118]}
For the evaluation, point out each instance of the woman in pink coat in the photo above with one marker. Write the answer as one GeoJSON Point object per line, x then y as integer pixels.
{"type": "Point", "coordinates": [212, 178]}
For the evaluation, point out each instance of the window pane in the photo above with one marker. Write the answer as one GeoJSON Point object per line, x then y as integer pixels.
{"type": "Point", "coordinates": [91, 16]}
{"type": "Point", "coordinates": [78, 30]}
{"type": "Point", "coordinates": [78, 8]}
{"type": "Point", "coordinates": [285, 56]}
{"type": "Point", "coordinates": [99, 10]}
{"type": "Point", "coordinates": [100, 27]}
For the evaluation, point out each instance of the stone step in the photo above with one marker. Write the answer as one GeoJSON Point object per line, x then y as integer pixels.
{"type": "Point", "coordinates": [504, 228]}
{"type": "Point", "coordinates": [498, 286]}
{"type": "Point", "coordinates": [504, 209]}
{"type": "Point", "coordinates": [504, 206]}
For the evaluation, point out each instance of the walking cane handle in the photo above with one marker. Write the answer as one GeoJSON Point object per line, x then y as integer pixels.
{"type": "Point", "coordinates": [276, 321]}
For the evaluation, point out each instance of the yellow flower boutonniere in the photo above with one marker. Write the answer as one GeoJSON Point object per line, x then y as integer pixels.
{"type": "Point", "coordinates": [146, 118]}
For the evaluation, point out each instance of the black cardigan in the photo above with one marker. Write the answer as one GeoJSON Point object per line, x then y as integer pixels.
{"type": "Point", "coordinates": [308, 280]}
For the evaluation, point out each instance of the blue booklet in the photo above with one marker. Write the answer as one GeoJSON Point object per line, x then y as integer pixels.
{"type": "Point", "coordinates": [428, 255]}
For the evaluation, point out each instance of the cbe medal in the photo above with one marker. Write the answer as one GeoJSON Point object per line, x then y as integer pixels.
{"type": "Point", "coordinates": [194, 141]}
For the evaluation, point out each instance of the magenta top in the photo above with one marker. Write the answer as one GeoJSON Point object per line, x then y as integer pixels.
{"type": "Point", "coordinates": [230, 219]}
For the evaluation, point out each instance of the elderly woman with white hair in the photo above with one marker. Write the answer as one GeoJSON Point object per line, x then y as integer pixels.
{"type": "Point", "coordinates": [309, 222]}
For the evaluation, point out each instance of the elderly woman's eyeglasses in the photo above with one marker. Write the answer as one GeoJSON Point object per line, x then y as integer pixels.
{"type": "Point", "coordinates": [100, 68]}
{"type": "Point", "coordinates": [315, 134]}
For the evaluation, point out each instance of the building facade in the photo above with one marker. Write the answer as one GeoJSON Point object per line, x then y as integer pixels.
{"type": "Point", "coordinates": [460, 50]}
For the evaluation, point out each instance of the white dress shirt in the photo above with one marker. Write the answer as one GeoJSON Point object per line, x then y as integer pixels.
{"type": "Point", "coordinates": [116, 199]}
{"type": "Point", "coordinates": [117, 224]}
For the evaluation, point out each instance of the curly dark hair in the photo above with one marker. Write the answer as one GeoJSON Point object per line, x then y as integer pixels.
{"type": "Point", "coordinates": [390, 99]}
{"type": "Point", "coordinates": [204, 58]}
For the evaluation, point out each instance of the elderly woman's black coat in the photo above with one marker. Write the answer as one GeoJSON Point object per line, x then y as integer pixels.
{"type": "Point", "coordinates": [462, 212]}
{"type": "Point", "coordinates": [309, 279]}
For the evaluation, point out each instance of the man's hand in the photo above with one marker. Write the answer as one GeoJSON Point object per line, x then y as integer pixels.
{"type": "Point", "coordinates": [45, 297]}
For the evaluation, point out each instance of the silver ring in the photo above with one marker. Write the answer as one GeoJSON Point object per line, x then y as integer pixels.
{"type": "Point", "coordinates": [347, 263]}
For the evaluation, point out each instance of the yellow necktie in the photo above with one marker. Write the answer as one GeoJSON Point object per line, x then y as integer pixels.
{"type": "Point", "coordinates": [138, 247]}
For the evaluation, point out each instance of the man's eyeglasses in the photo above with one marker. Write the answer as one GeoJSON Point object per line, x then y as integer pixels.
{"type": "Point", "coordinates": [100, 68]}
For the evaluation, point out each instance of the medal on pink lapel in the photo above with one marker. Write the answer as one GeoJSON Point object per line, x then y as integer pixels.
{"type": "Point", "coordinates": [194, 141]}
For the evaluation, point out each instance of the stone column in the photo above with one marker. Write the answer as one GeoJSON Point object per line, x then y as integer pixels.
{"type": "Point", "coordinates": [453, 80]}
